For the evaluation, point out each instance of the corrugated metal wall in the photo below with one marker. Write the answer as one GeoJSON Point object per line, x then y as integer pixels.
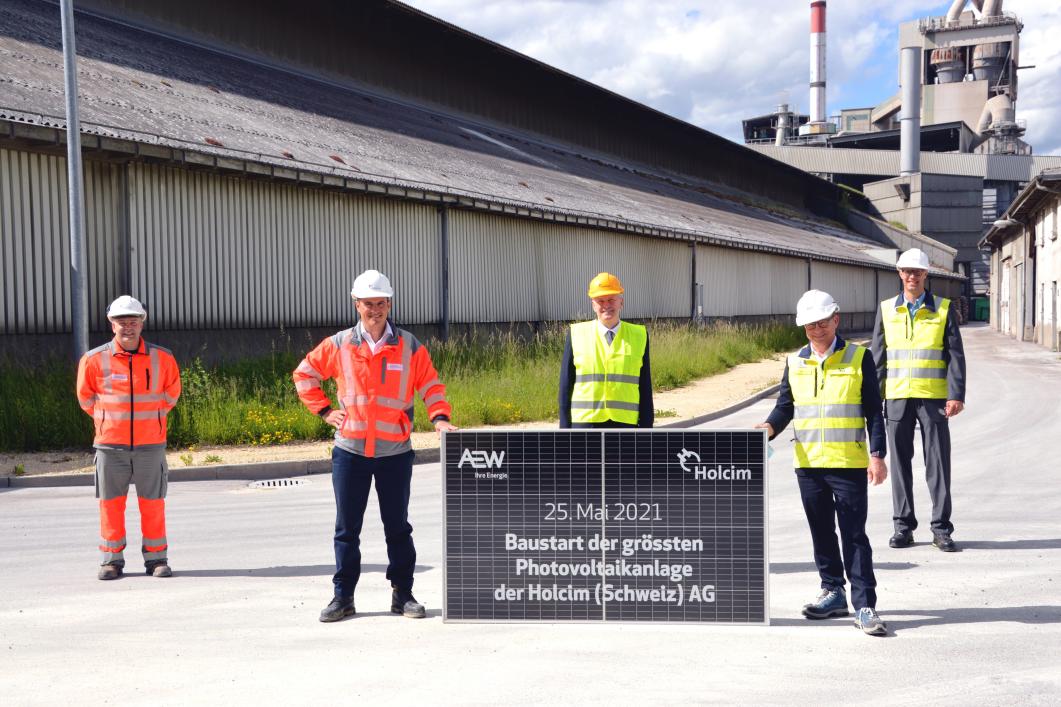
{"type": "Point", "coordinates": [213, 251]}
{"type": "Point", "coordinates": [504, 269]}
{"type": "Point", "coordinates": [852, 287]}
{"type": "Point", "coordinates": [34, 242]}
{"type": "Point", "coordinates": [747, 283]}
{"type": "Point", "coordinates": [887, 284]}
{"type": "Point", "coordinates": [206, 251]}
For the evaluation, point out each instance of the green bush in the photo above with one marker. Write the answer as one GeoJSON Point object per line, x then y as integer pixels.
{"type": "Point", "coordinates": [495, 379]}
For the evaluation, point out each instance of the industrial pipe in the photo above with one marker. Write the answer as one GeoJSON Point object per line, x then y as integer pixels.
{"type": "Point", "coordinates": [910, 113]}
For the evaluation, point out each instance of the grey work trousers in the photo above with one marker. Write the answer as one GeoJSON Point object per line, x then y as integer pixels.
{"type": "Point", "coordinates": [935, 441]}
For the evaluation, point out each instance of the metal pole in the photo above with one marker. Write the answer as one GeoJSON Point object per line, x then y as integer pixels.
{"type": "Point", "coordinates": [75, 185]}
{"type": "Point", "coordinates": [443, 213]}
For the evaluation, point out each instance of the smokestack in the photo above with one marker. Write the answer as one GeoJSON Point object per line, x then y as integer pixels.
{"type": "Point", "coordinates": [910, 113]}
{"type": "Point", "coordinates": [817, 61]}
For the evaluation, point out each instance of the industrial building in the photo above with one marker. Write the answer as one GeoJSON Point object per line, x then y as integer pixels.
{"type": "Point", "coordinates": [244, 160]}
{"type": "Point", "coordinates": [951, 129]}
{"type": "Point", "coordinates": [1026, 264]}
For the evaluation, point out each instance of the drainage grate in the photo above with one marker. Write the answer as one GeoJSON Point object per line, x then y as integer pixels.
{"type": "Point", "coordinates": [277, 483]}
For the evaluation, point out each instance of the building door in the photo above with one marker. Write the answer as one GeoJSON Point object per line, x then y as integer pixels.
{"type": "Point", "coordinates": [1018, 276]}
{"type": "Point", "coordinates": [1055, 330]}
{"type": "Point", "coordinates": [1003, 299]}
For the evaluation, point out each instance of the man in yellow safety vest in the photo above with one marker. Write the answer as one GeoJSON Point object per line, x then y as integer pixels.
{"type": "Point", "coordinates": [605, 380]}
{"type": "Point", "coordinates": [921, 366]}
{"type": "Point", "coordinates": [830, 389]}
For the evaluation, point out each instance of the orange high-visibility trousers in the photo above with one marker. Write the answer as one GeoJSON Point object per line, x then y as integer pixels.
{"type": "Point", "coordinates": [115, 470]}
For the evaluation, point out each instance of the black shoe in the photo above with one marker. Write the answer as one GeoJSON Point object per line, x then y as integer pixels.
{"type": "Point", "coordinates": [158, 568]}
{"type": "Point", "coordinates": [109, 572]}
{"type": "Point", "coordinates": [403, 602]}
{"type": "Point", "coordinates": [338, 610]}
{"type": "Point", "coordinates": [944, 542]}
{"type": "Point", "coordinates": [902, 538]}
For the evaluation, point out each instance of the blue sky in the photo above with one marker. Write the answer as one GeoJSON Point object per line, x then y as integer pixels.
{"type": "Point", "coordinates": [714, 62]}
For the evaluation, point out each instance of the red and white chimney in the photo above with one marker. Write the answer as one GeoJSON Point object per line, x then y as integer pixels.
{"type": "Point", "coordinates": [817, 61]}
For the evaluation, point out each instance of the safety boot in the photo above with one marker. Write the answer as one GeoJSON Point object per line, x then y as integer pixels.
{"type": "Point", "coordinates": [944, 542]}
{"type": "Point", "coordinates": [902, 538]}
{"type": "Point", "coordinates": [159, 568]}
{"type": "Point", "coordinates": [109, 572]}
{"type": "Point", "coordinates": [338, 609]}
{"type": "Point", "coordinates": [403, 602]}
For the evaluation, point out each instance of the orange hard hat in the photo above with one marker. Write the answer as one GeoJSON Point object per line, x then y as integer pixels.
{"type": "Point", "coordinates": [604, 284]}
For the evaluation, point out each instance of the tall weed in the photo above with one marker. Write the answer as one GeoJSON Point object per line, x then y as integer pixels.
{"type": "Point", "coordinates": [491, 379]}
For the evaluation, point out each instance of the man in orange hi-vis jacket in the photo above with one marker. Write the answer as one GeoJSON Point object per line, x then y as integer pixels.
{"type": "Point", "coordinates": [128, 386]}
{"type": "Point", "coordinates": [377, 368]}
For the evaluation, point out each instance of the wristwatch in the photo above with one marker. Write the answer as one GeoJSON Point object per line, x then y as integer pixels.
{"type": "Point", "coordinates": [877, 455]}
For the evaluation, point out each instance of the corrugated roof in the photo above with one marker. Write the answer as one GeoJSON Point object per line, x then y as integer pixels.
{"type": "Point", "coordinates": [150, 89]}
{"type": "Point", "coordinates": [885, 163]}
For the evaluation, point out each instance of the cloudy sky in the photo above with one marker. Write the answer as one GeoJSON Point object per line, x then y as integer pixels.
{"type": "Point", "coordinates": [714, 63]}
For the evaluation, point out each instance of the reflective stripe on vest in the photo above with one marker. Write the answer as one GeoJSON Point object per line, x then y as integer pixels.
{"type": "Point", "coordinates": [915, 364]}
{"type": "Point", "coordinates": [130, 405]}
{"type": "Point", "coordinates": [829, 423]}
{"type": "Point", "coordinates": [376, 425]}
{"type": "Point", "coordinates": [606, 377]}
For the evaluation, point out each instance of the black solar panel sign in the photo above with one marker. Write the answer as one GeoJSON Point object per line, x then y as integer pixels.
{"type": "Point", "coordinates": [588, 525]}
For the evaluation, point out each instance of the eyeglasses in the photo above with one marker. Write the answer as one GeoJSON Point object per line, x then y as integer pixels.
{"type": "Point", "coordinates": [378, 304]}
{"type": "Point", "coordinates": [822, 324]}
{"type": "Point", "coordinates": [903, 272]}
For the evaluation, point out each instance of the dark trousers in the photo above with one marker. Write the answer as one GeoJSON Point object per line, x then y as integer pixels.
{"type": "Point", "coordinates": [935, 441]}
{"type": "Point", "coordinates": [840, 495]}
{"type": "Point", "coordinates": [352, 477]}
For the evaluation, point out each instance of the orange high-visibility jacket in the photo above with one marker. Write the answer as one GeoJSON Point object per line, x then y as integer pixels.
{"type": "Point", "coordinates": [375, 390]}
{"type": "Point", "coordinates": [128, 394]}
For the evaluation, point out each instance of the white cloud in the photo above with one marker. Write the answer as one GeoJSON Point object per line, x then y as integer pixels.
{"type": "Point", "coordinates": [714, 63]}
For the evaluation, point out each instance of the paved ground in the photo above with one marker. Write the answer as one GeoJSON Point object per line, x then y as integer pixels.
{"type": "Point", "coordinates": [238, 621]}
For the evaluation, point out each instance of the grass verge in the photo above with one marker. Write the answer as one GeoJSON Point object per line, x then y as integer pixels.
{"type": "Point", "coordinates": [493, 380]}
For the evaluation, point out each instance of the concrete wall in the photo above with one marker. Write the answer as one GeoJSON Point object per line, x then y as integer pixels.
{"type": "Point", "coordinates": [947, 208]}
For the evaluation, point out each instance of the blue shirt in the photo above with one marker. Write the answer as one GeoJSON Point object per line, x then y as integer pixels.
{"type": "Point", "coordinates": [916, 304]}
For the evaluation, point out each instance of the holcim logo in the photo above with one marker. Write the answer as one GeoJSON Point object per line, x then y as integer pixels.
{"type": "Point", "coordinates": [481, 460]}
{"type": "Point", "coordinates": [716, 473]}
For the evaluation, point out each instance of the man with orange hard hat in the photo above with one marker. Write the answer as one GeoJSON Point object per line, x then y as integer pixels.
{"type": "Point", "coordinates": [128, 386]}
{"type": "Point", "coordinates": [605, 379]}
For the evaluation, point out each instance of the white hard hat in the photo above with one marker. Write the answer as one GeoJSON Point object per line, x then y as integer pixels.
{"type": "Point", "coordinates": [126, 306]}
{"type": "Point", "coordinates": [814, 306]}
{"type": "Point", "coordinates": [915, 259]}
{"type": "Point", "coordinates": [371, 283]}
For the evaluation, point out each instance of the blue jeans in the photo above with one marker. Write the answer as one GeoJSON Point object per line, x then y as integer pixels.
{"type": "Point", "coordinates": [352, 477]}
{"type": "Point", "coordinates": [832, 496]}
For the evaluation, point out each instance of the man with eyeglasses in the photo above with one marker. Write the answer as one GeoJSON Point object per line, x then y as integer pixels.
{"type": "Point", "coordinates": [921, 366]}
{"type": "Point", "coordinates": [830, 389]}
{"type": "Point", "coordinates": [377, 368]}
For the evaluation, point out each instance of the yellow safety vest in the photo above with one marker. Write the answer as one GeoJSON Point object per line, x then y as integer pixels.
{"type": "Point", "coordinates": [915, 365]}
{"type": "Point", "coordinates": [606, 377]}
{"type": "Point", "coordinates": [829, 423]}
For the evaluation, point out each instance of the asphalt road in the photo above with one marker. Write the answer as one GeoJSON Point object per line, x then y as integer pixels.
{"type": "Point", "coordinates": [237, 623]}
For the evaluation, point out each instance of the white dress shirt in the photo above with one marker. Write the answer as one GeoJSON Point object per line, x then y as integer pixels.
{"type": "Point", "coordinates": [374, 345]}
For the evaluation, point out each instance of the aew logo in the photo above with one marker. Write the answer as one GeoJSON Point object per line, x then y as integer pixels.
{"type": "Point", "coordinates": [481, 460]}
{"type": "Point", "coordinates": [716, 473]}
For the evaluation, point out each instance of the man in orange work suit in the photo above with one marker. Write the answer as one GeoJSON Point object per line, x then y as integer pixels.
{"type": "Point", "coordinates": [377, 367]}
{"type": "Point", "coordinates": [128, 386]}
